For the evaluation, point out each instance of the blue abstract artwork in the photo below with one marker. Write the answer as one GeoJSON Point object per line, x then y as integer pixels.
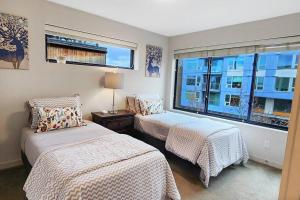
{"type": "Point", "coordinates": [153, 61]}
{"type": "Point", "coordinates": [13, 42]}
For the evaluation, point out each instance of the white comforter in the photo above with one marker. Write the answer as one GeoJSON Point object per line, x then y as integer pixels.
{"type": "Point", "coordinates": [111, 166]}
{"type": "Point", "coordinates": [212, 145]}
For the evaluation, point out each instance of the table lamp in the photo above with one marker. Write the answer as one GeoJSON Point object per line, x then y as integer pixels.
{"type": "Point", "coordinates": [114, 81]}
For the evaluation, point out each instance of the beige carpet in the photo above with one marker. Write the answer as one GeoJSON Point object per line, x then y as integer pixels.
{"type": "Point", "coordinates": [255, 182]}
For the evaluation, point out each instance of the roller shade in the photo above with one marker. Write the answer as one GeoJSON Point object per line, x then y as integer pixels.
{"type": "Point", "coordinates": [276, 48]}
{"type": "Point", "coordinates": [249, 47]}
{"type": "Point", "coordinates": [216, 52]}
{"type": "Point", "coordinates": [66, 32]}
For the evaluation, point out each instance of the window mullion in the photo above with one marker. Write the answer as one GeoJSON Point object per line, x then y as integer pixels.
{"type": "Point", "coordinates": [207, 84]}
{"type": "Point", "coordinates": [252, 86]}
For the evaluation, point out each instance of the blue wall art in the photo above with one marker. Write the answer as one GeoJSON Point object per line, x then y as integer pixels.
{"type": "Point", "coordinates": [13, 42]}
{"type": "Point", "coordinates": [153, 60]}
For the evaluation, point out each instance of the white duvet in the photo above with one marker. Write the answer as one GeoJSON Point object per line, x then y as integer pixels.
{"type": "Point", "coordinates": [210, 144]}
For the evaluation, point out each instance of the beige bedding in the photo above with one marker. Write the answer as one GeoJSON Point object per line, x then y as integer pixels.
{"type": "Point", "coordinates": [110, 166]}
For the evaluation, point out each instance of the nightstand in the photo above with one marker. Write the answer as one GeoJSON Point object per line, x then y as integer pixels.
{"type": "Point", "coordinates": [121, 122]}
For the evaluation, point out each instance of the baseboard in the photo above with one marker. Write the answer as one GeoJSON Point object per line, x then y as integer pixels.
{"type": "Point", "coordinates": [10, 164]}
{"type": "Point", "coordinates": [266, 162]}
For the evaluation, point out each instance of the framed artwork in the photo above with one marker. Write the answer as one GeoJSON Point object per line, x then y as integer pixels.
{"type": "Point", "coordinates": [13, 42]}
{"type": "Point", "coordinates": [153, 60]}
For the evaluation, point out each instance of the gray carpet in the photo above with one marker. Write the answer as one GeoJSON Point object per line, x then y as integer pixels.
{"type": "Point", "coordinates": [255, 182]}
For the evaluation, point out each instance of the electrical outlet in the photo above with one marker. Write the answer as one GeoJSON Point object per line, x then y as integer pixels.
{"type": "Point", "coordinates": [267, 144]}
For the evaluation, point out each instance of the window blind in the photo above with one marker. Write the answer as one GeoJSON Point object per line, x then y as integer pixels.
{"type": "Point", "coordinates": [249, 47]}
{"type": "Point", "coordinates": [66, 32]}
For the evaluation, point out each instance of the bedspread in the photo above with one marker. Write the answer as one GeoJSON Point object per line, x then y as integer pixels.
{"type": "Point", "coordinates": [210, 144]}
{"type": "Point", "coordinates": [112, 166]}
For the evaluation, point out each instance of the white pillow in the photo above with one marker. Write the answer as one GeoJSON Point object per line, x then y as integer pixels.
{"type": "Point", "coordinates": [58, 102]}
{"type": "Point", "coordinates": [151, 106]}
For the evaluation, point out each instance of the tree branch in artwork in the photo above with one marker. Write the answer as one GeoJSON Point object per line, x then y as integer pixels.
{"type": "Point", "coordinates": [13, 38]}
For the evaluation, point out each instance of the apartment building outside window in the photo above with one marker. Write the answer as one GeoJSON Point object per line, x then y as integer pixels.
{"type": "Point", "coordinates": [226, 82]}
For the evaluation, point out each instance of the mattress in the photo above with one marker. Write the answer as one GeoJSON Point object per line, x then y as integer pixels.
{"type": "Point", "coordinates": [158, 125]}
{"type": "Point", "coordinates": [33, 144]}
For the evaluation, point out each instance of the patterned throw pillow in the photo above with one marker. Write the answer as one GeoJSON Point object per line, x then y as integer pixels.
{"type": "Point", "coordinates": [58, 102]}
{"type": "Point", "coordinates": [58, 118]}
{"type": "Point", "coordinates": [131, 103]}
{"type": "Point", "coordinates": [151, 106]}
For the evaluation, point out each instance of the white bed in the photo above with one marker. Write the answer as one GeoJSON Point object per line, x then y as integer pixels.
{"type": "Point", "coordinates": [92, 162]}
{"type": "Point", "coordinates": [210, 144]}
{"type": "Point", "coordinates": [33, 144]}
{"type": "Point", "coordinates": [158, 125]}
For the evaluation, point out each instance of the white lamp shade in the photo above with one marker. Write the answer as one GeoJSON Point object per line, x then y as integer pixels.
{"type": "Point", "coordinates": [114, 80]}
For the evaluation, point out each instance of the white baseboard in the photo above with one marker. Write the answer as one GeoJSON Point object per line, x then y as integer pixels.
{"type": "Point", "coordinates": [10, 164]}
{"type": "Point", "coordinates": [265, 162]}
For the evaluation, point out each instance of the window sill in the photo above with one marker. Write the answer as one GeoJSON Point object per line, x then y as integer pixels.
{"type": "Point", "coordinates": [230, 121]}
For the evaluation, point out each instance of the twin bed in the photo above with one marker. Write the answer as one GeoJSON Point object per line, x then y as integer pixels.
{"type": "Point", "coordinates": [211, 145]}
{"type": "Point", "coordinates": [92, 162]}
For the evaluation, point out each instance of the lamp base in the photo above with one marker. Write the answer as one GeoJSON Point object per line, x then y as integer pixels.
{"type": "Point", "coordinates": [113, 112]}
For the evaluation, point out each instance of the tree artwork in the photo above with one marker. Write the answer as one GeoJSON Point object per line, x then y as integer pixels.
{"type": "Point", "coordinates": [153, 60]}
{"type": "Point", "coordinates": [13, 42]}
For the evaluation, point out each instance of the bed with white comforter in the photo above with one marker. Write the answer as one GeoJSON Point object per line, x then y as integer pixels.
{"type": "Point", "coordinates": [210, 144]}
{"type": "Point", "coordinates": [92, 162]}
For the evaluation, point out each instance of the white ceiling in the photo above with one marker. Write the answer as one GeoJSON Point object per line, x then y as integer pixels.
{"type": "Point", "coordinates": [174, 17]}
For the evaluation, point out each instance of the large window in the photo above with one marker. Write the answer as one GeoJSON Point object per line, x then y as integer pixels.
{"type": "Point", "coordinates": [254, 88]}
{"type": "Point", "coordinates": [84, 52]}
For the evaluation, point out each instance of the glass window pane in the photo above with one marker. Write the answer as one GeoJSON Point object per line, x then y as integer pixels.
{"type": "Point", "coordinates": [191, 84]}
{"type": "Point", "coordinates": [272, 102]}
{"type": "Point", "coordinates": [284, 61]}
{"type": "Point", "coordinates": [76, 51]}
{"type": "Point", "coordinates": [230, 86]}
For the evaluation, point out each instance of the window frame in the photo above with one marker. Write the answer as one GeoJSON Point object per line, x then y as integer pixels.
{"type": "Point", "coordinates": [131, 67]}
{"type": "Point", "coordinates": [206, 100]}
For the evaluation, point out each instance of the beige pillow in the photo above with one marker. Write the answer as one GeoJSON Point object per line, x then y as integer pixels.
{"type": "Point", "coordinates": [131, 103]}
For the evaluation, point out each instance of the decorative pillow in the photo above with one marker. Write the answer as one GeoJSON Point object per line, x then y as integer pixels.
{"type": "Point", "coordinates": [131, 103]}
{"type": "Point", "coordinates": [59, 102]}
{"type": "Point", "coordinates": [137, 105]}
{"type": "Point", "coordinates": [58, 118]}
{"type": "Point", "coordinates": [151, 106]}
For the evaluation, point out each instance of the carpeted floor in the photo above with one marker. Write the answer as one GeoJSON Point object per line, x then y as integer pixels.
{"type": "Point", "coordinates": [253, 182]}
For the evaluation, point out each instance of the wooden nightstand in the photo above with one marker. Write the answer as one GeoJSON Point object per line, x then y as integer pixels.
{"type": "Point", "coordinates": [122, 122]}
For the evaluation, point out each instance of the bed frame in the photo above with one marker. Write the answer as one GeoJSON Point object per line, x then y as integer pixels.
{"type": "Point", "coordinates": [26, 163]}
{"type": "Point", "coordinates": [160, 145]}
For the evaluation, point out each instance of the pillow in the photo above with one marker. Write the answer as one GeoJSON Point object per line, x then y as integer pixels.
{"type": "Point", "coordinates": [58, 102]}
{"type": "Point", "coordinates": [151, 106]}
{"type": "Point", "coordinates": [137, 105]}
{"type": "Point", "coordinates": [131, 103]}
{"type": "Point", "coordinates": [58, 118]}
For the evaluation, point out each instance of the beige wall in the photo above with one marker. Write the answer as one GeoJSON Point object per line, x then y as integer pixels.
{"type": "Point", "coordinates": [49, 80]}
{"type": "Point", "coordinates": [255, 136]}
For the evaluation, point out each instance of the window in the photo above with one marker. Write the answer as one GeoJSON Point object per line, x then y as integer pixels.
{"type": "Point", "coordinates": [234, 81]}
{"type": "Point", "coordinates": [282, 84]}
{"type": "Point", "coordinates": [214, 99]}
{"type": "Point", "coordinates": [191, 72]}
{"type": "Point", "coordinates": [271, 104]}
{"type": "Point", "coordinates": [293, 84]}
{"type": "Point", "coordinates": [230, 88]}
{"type": "Point", "coordinates": [232, 100]}
{"type": "Point", "coordinates": [235, 63]}
{"type": "Point", "coordinates": [83, 52]}
{"type": "Point", "coordinates": [259, 83]}
{"type": "Point", "coordinates": [191, 80]}
{"type": "Point", "coordinates": [261, 65]}
{"type": "Point", "coordinates": [285, 61]}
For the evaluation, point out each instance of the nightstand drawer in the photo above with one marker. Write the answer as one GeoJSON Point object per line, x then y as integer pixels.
{"type": "Point", "coordinates": [120, 123]}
